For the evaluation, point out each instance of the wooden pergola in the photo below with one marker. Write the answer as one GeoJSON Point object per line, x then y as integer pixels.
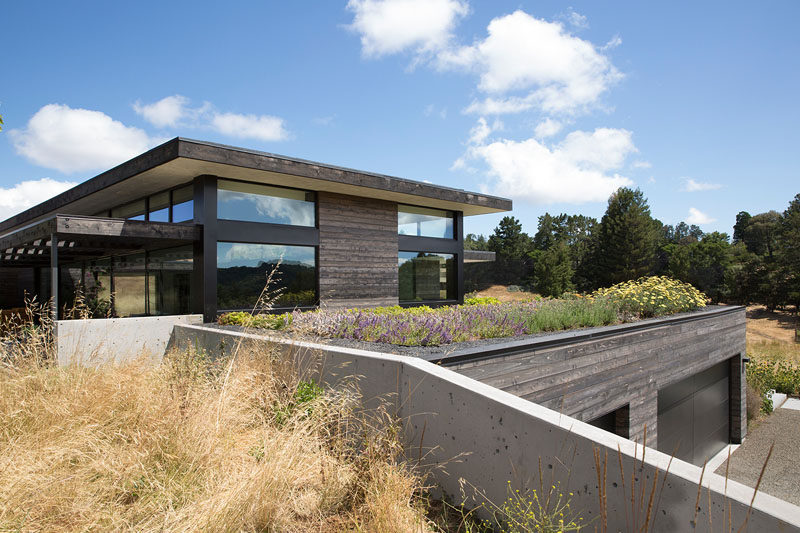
{"type": "Point", "coordinates": [69, 238]}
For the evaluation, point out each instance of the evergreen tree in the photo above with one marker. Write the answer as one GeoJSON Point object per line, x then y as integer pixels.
{"type": "Point", "coordinates": [627, 238]}
{"type": "Point", "coordinates": [742, 220]}
{"type": "Point", "coordinates": [473, 242]}
{"type": "Point", "coordinates": [509, 240]}
{"type": "Point", "coordinates": [553, 270]}
{"type": "Point", "coordinates": [789, 259]}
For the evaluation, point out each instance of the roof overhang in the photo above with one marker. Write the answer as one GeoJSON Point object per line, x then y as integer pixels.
{"type": "Point", "coordinates": [81, 237]}
{"type": "Point", "coordinates": [179, 160]}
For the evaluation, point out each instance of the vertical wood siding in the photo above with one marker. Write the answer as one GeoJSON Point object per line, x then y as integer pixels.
{"type": "Point", "coordinates": [357, 251]}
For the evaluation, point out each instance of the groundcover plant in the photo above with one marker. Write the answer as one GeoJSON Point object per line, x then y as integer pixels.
{"type": "Point", "coordinates": [483, 318]}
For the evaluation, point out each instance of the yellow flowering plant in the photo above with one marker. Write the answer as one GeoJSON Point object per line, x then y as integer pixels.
{"type": "Point", "coordinates": [653, 296]}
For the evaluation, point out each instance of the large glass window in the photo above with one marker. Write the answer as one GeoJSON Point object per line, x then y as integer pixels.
{"type": "Point", "coordinates": [183, 204]}
{"type": "Point", "coordinates": [97, 283]}
{"type": "Point", "coordinates": [169, 276]}
{"type": "Point", "coordinates": [254, 202]}
{"type": "Point", "coordinates": [133, 211]}
{"type": "Point", "coordinates": [424, 222]}
{"type": "Point", "coordinates": [130, 285]}
{"type": "Point", "coordinates": [159, 207]}
{"type": "Point", "coordinates": [426, 276]}
{"type": "Point", "coordinates": [242, 271]}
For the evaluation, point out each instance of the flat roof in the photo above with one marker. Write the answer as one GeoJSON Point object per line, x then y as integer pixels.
{"type": "Point", "coordinates": [179, 160]}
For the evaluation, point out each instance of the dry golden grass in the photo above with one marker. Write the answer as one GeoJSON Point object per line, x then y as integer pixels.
{"type": "Point", "coordinates": [771, 334]}
{"type": "Point", "coordinates": [504, 295]}
{"type": "Point", "coordinates": [192, 445]}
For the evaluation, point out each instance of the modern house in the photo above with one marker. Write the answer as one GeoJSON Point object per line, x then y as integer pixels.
{"type": "Point", "coordinates": [195, 227]}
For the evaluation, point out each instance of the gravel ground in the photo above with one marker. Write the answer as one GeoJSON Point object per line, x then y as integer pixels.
{"type": "Point", "coordinates": [782, 476]}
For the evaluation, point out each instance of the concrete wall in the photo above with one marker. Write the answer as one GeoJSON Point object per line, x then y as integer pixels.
{"type": "Point", "coordinates": [462, 429]}
{"type": "Point", "coordinates": [357, 251]}
{"type": "Point", "coordinates": [100, 340]}
{"type": "Point", "coordinates": [586, 374]}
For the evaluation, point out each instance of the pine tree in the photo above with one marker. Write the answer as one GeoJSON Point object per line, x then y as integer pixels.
{"type": "Point", "coordinates": [509, 240]}
{"type": "Point", "coordinates": [789, 247]}
{"type": "Point", "coordinates": [553, 270]}
{"type": "Point", "coordinates": [626, 238]}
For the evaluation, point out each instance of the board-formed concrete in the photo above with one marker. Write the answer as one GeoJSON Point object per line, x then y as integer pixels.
{"type": "Point", "coordinates": [472, 435]}
{"type": "Point", "coordinates": [102, 340]}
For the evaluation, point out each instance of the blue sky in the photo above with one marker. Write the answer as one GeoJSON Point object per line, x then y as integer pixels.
{"type": "Point", "coordinates": [551, 104]}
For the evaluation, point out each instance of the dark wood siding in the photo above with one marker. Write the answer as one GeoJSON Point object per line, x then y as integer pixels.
{"type": "Point", "coordinates": [357, 251]}
{"type": "Point", "coordinates": [589, 378]}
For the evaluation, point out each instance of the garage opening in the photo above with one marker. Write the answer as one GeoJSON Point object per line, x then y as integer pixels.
{"type": "Point", "coordinates": [694, 415]}
{"type": "Point", "coordinates": [617, 421]}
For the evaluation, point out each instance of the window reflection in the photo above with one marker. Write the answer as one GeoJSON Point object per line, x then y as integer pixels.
{"type": "Point", "coordinates": [129, 285]}
{"type": "Point", "coordinates": [426, 276]}
{"type": "Point", "coordinates": [159, 207]}
{"type": "Point", "coordinates": [132, 211]}
{"type": "Point", "coordinates": [242, 271]}
{"type": "Point", "coordinates": [254, 202]}
{"type": "Point", "coordinates": [424, 222]}
{"type": "Point", "coordinates": [169, 274]}
{"type": "Point", "coordinates": [183, 204]}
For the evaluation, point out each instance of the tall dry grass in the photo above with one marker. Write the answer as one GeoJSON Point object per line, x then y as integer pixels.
{"type": "Point", "coordinates": [194, 445]}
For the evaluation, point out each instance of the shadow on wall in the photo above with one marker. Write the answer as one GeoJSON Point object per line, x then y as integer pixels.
{"type": "Point", "coordinates": [475, 439]}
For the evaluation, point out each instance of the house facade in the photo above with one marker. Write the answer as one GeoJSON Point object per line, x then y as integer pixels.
{"type": "Point", "coordinates": [194, 227]}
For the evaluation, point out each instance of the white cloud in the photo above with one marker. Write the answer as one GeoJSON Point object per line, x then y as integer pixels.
{"type": "Point", "coordinates": [558, 72]}
{"type": "Point", "coordinates": [691, 185]}
{"type": "Point", "coordinates": [481, 131]}
{"type": "Point", "coordinates": [392, 26]}
{"type": "Point", "coordinates": [577, 20]}
{"type": "Point", "coordinates": [29, 193]}
{"type": "Point", "coordinates": [173, 111]}
{"type": "Point", "coordinates": [72, 140]}
{"type": "Point", "coordinates": [612, 43]}
{"type": "Point", "coordinates": [431, 110]}
{"type": "Point", "coordinates": [547, 128]}
{"type": "Point", "coordinates": [603, 149]}
{"type": "Point", "coordinates": [263, 127]}
{"type": "Point", "coordinates": [324, 121]}
{"type": "Point", "coordinates": [698, 217]}
{"type": "Point", "coordinates": [577, 170]}
{"type": "Point", "coordinates": [167, 112]}
{"type": "Point", "coordinates": [641, 164]}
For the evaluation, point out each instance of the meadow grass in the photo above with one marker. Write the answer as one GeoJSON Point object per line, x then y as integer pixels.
{"type": "Point", "coordinates": [241, 444]}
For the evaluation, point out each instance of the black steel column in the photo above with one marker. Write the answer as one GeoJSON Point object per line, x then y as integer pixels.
{"type": "Point", "coordinates": [204, 272]}
{"type": "Point", "coordinates": [459, 228]}
{"type": "Point", "coordinates": [54, 276]}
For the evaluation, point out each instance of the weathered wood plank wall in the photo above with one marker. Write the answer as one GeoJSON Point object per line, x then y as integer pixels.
{"type": "Point", "coordinates": [593, 377]}
{"type": "Point", "coordinates": [357, 251]}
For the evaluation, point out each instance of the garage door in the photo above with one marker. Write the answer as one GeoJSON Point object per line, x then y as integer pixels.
{"type": "Point", "coordinates": [694, 415]}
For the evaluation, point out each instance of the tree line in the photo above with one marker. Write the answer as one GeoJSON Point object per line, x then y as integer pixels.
{"type": "Point", "coordinates": [761, 263]}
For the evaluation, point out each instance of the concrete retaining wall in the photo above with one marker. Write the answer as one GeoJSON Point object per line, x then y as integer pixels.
{"type": "Point", "coordinates": [463, 429]}
{"type": "Point", "coordinates": [100, 340]}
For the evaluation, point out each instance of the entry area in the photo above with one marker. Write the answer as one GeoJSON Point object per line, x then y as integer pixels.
{"type": "Point", "coordinates": [694, 415]}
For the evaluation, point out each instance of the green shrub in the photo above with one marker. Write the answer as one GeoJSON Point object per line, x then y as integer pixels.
{"type": "Point", "coordinates": [394, 310]}
{"type": "Point", "coordinates": [782, 376]}
{"type": "Point", "coordinates": [261, 321]}
{"type": "Point", "coordinates": [557, 315]}
{"type": "Point", "coordinates": [481, 300]}
{"type": "Point", "coordinates": [302, 402]}
{"type": "Point", "coordinates": [653, 296]}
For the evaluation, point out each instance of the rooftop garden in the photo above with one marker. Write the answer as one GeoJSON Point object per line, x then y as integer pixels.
{"type": "Point", "coordinates": [486, 318]}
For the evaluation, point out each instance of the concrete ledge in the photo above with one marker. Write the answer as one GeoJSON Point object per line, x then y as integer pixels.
{"type": "Point", "coordinates": [102, 340]}
{"type": "Point", "coordinates": [460, 428]}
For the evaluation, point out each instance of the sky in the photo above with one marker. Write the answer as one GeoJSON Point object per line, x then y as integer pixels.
{"type": "Point", "coordinates": [554, 105]}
